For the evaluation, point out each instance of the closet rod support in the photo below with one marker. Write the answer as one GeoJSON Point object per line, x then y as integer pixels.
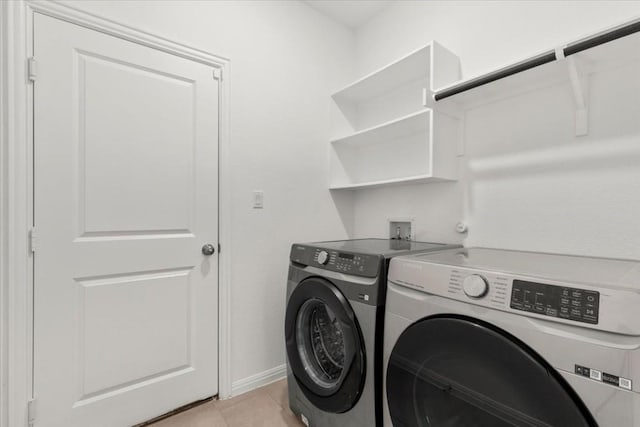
{"type": "Point", "coordinates": [578, 78]}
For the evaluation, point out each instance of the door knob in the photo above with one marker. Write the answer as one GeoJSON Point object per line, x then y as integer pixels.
{"type": "Point", "coordinates": [208, 249]}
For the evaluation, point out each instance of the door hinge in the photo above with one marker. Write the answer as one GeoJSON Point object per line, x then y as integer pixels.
{"type": "Point", "coordinates": [32, 411]}
{"type": "Point", "coordinates": [33, 240]}
{"type": "Point", "coordinates": [219, 247]}
{"type": "Point", "coordinates": [32, 69]}
{"type": "Point", "coordinates": [217, 74]}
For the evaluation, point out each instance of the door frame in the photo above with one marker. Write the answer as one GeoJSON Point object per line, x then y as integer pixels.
{"type": "Point", "coordinates": [16, 193]}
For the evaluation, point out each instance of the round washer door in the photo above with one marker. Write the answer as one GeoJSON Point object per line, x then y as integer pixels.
{"type": "Point", "coordinates": [324, 345]}
{"type": "Point", "coordinates": [458, 371]}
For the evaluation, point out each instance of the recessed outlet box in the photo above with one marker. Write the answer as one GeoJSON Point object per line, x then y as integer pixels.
{"type": "Point", "coordinates": [401, 229]}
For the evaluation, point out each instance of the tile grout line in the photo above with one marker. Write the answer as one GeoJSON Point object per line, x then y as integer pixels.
{"type": "Point", "coordinates": [276, 402]}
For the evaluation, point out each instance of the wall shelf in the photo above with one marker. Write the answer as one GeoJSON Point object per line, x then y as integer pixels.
{"type": "Point", "coordinates": [414, 66]}
{"type": "Point", "coordinates": [417, 179]}
{"type": "Point", "coordinates": [421, 147]}
{"type": "Point", "coordinates": [394, 129]}
{"type": "Point", "coordinates": [410, 68]}
{"type": "Point", "coordinates": [392, 138]}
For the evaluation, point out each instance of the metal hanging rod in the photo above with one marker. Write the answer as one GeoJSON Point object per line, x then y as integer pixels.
{"type": "Point", "coordinates": [541, 59]}
{"type": "Point", "coordinates": [527, 64]}
{"type": "Point", "coordinates": [602, 38]}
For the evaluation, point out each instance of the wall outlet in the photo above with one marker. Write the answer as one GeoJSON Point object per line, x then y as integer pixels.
{"type": "Point", "coordinates": [401, 229]}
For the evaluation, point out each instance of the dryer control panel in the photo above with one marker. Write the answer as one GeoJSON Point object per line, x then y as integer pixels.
{"type": "Point", "coordinates": [600, 294]}
{"type": "Point", "coordinates": [575, 304]}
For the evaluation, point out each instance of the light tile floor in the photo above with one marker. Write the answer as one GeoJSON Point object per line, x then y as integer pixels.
{"type": "Point", "coordinates": [265, 407]}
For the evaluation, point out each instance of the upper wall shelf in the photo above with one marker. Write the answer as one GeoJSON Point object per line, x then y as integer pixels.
{"type": "Point", "coordinates": [407, 69]}
{"type": "Point", "coordinates": [415, 66]}
{"type": "Point", "coordinates": [596, 52]}
{"type": "Point", "coordinates": [389, 134]}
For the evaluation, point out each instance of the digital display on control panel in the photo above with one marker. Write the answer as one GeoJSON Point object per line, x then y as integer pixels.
{"type": "Point", "coordinates": [574, 304]}
{"type": "Point", "coordinates": [346, 256]}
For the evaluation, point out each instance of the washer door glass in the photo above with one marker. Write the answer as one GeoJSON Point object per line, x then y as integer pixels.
{"type": "Point", "coordinates": [321, 344]}
{"type": "Point", "coordinates": [325, 348]}
{"type": "Point", "coordinates": [457, 371]}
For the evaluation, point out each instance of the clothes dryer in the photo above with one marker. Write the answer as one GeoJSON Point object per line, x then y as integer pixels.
{"type": "Point", "coordinates": [482, 337]}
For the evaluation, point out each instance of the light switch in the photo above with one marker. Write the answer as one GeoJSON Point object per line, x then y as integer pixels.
{"type": "Point", "coordinates": [258, 199]}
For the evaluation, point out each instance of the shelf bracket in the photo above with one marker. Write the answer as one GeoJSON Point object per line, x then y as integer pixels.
{"type": "Point", "coordinates": [579, 79]}
{"type": "Point", "coordinates": [579, 85]}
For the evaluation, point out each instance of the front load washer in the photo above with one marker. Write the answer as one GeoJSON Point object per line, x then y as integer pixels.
{"type": "Point", "coordinates": [483, 337]}
{"type": "Point", "coordinates": [333, 328]}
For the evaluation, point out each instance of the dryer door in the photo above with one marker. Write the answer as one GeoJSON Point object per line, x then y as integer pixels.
{"type": "Point", "coordinates": [458, 371]}
{"type": "Point", "coordinates": [324, 345]}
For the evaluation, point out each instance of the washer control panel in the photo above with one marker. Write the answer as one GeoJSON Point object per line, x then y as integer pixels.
{"type": "Point", "coordinates": [357, 264]}
{"type": "Point", "coordinates": [575, 304]}
{"type": "Point", "coordinates": [346, 262]}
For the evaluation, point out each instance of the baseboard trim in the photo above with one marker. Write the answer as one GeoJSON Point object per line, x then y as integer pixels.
{"type": "Point", "coordinates": [258, 380]}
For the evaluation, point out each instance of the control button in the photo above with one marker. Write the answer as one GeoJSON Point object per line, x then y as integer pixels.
{"type": "Point", "coordinates": [475, 286]}
{"type": "Point", "coordinates": [323, 257]}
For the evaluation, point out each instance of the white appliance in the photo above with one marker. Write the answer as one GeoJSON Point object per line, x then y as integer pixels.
{"type": "Point", "coordinates": [483, 337]}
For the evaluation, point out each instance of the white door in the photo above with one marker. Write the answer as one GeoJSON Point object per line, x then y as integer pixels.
{"type": "Point", "coordinates": [126, 195]}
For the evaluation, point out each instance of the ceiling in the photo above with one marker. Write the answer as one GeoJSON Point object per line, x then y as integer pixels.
{"type": "Point", "coordinates": [351, 13]}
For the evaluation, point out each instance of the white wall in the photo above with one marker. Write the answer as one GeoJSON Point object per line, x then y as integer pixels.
{"type": "Point", "coordinates": [285, 60]}
{"type": "Point", "coordinates": [527, 182]}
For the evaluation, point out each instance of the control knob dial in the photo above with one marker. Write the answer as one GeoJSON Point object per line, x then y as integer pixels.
{"type": "Point", "coordinates": [475, 286]}
{"type": "Point", "coordinates": [323, 257]}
